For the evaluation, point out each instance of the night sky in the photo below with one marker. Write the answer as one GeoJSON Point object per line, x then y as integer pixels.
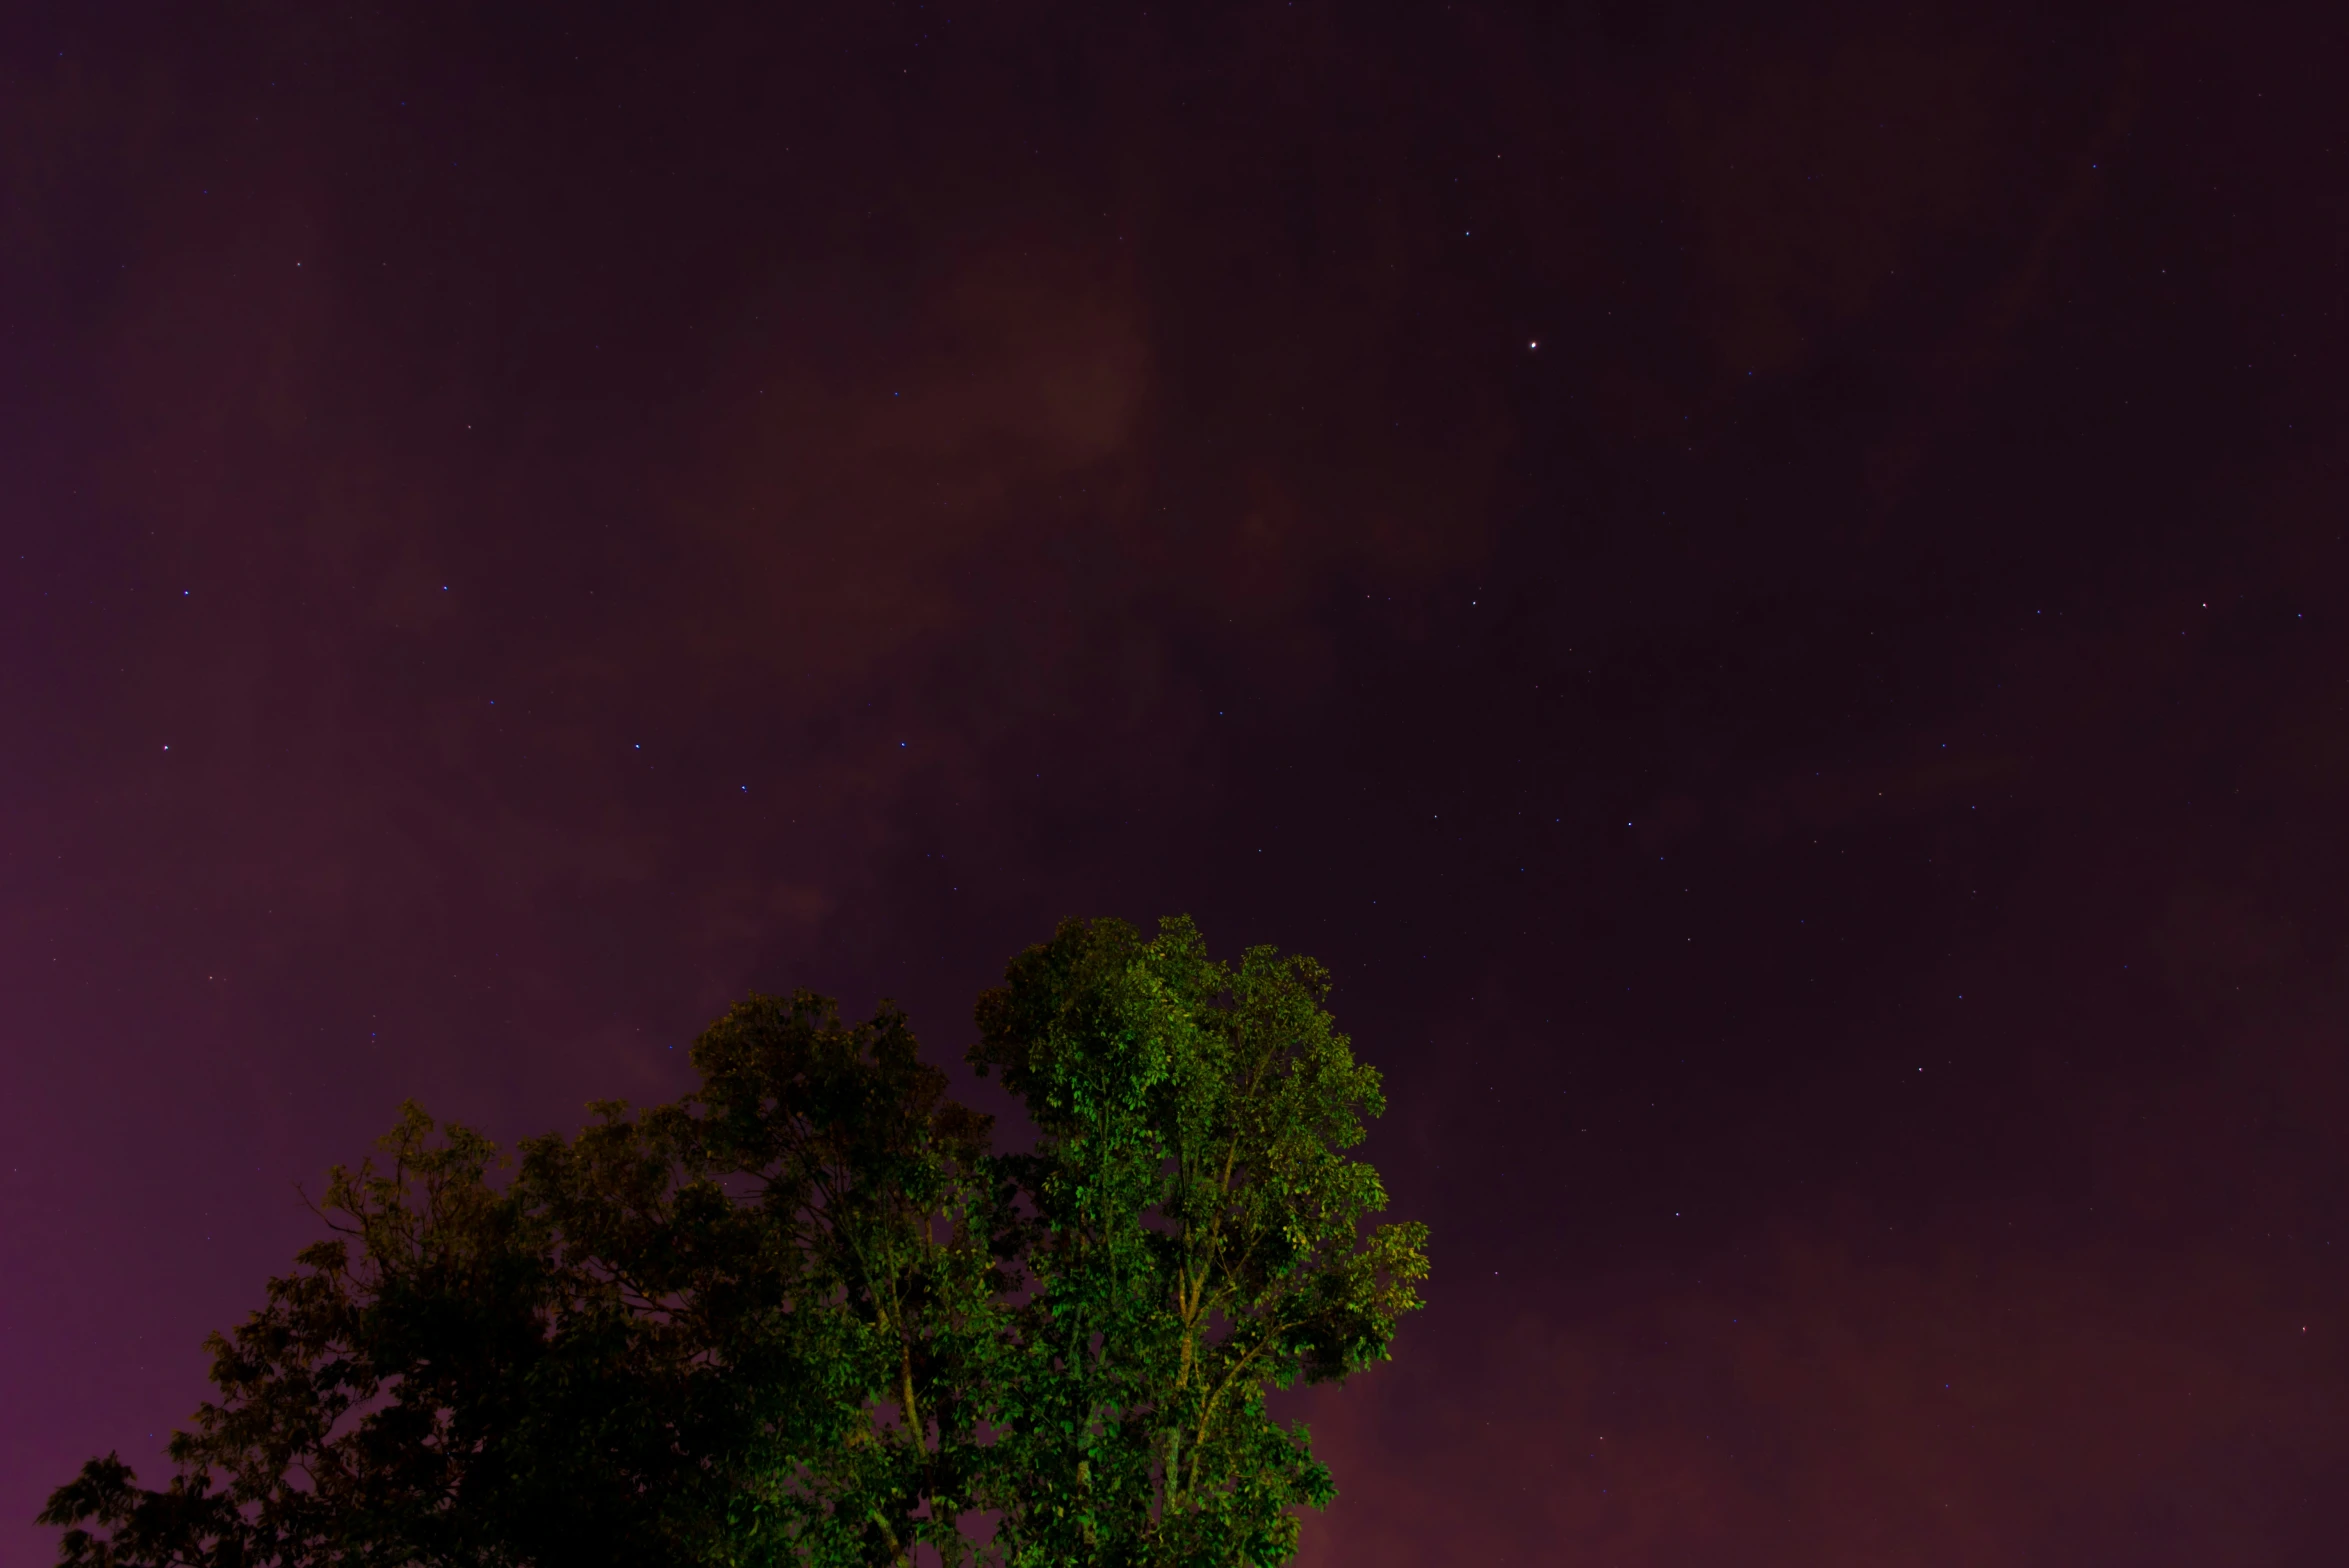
{"type": "Point", "coordinates": [1764, 585]}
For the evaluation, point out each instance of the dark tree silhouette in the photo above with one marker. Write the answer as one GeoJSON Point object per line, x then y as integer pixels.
{"type": "Point", "coordinates": [805, 1316]}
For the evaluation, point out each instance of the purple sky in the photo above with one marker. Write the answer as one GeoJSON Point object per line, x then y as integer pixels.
{"type": "Point", "coordinates": [1768, 594]}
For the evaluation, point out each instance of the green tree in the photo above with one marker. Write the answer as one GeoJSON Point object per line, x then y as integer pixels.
{"type": "Point", "coordinates": [804, 1316]}
{"type": "Point", "coordinates": [1199, 1242]}
{"type": "Point", "coordinates": [865, 1179]}
{"type": "Point", "coordinates": [732, 1330]}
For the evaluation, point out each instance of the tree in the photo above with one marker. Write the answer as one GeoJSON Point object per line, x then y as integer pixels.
{"type": "Point", "coordinates": [680, 1338]}
{"type": "Point", "coordinates": [1198, 1244]}
{"type": "Point", "coordinates": [804, 1316]}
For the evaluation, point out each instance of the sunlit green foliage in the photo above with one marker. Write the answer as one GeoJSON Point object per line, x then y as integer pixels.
{"type": "Point", "coordinates": [804, 1316]}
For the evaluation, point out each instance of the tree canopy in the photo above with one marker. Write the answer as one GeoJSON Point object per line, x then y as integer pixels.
{"type": "Point", "coordinates": [808, 1315]}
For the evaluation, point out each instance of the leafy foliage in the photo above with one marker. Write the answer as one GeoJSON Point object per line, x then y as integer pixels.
{"type": "Point", "coordinates": [804, 1316]}
{"type": "Point", "coordinates": [1200, 1243]}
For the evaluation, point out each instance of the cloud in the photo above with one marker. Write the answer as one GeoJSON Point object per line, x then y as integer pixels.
{"type": "Point", "coordinates": [1960, 1398]}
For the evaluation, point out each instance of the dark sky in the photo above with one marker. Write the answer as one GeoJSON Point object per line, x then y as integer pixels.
{"type": "Point", "coordinates": [1765, 585]}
